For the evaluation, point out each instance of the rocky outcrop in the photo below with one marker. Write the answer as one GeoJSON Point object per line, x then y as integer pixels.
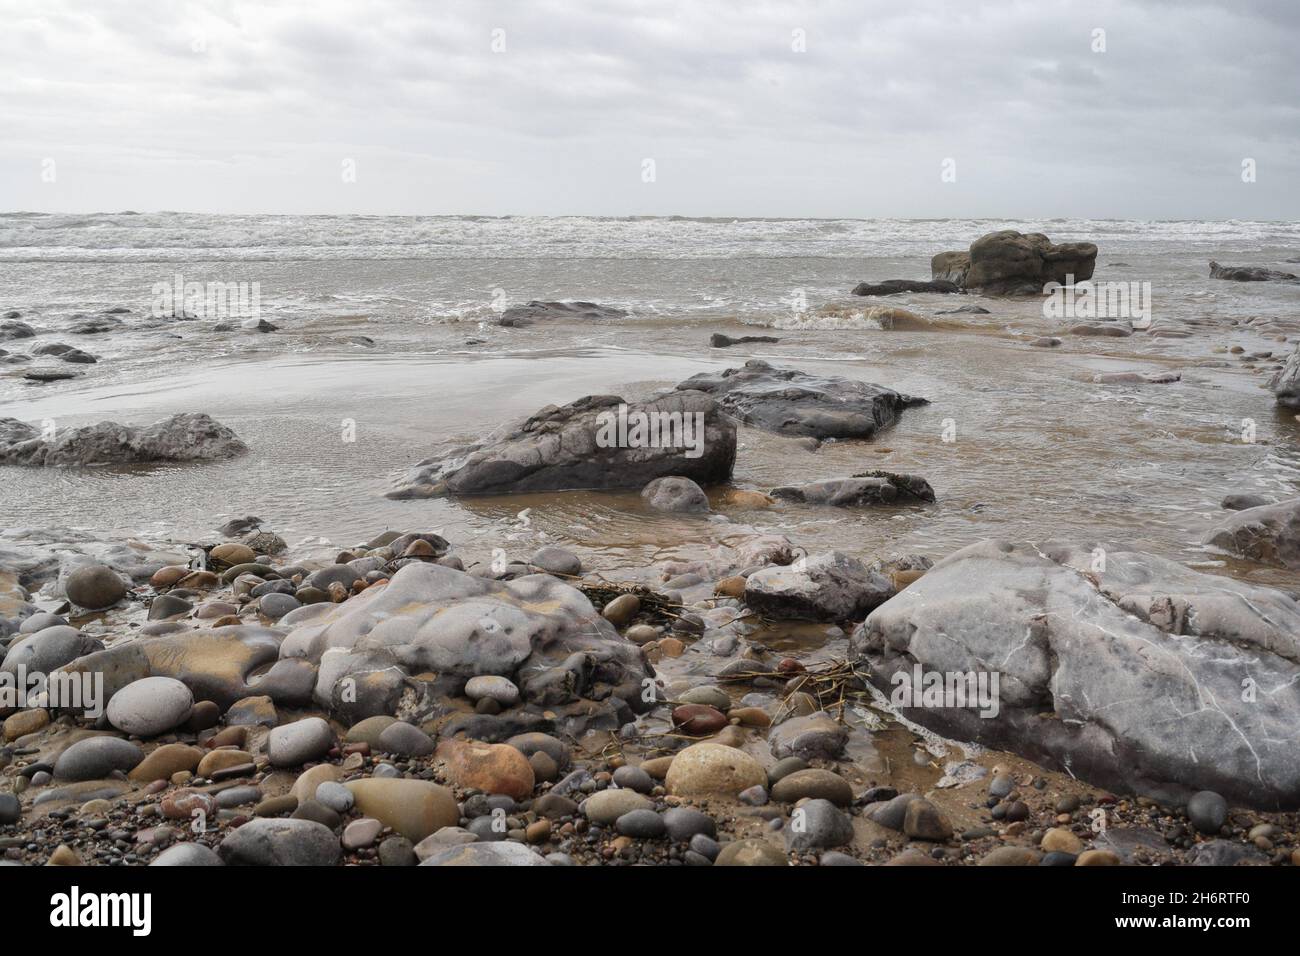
{"type": "Point", "coordinates": [790, 402]}
{"type": "Point", "coordinates": [1249, 274]}
{"type": "Point", "coordinates": [1286, 383]}
{"type": "Point", "coordinates": [869, 488]}
{"type": "Point", "coordinates": [187, 437]}
{"type": "Point", "coordinates": [597, 442]}
{"type": "Point", "coordinates": [1126, 670]}
{"type": "Point", "coordinates": [1269, 533]}
{"type": "Point", "coordinates": [895, 286]}
{"type": "Point", "coordinates": [518, 316]}
{"type": "Point", "coordinates": [539, 632]}
{"type": "Point", "coordinates": [1013, 263]}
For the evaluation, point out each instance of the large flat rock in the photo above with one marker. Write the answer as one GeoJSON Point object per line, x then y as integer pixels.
{"type": "Point", "coordinates": [1126, 670]}
{"type": "Point", "coordinates": [790, 402]}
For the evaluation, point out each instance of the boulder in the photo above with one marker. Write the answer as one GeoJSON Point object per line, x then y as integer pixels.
{"type": "Point", "coordinates": [1267, 533]}
{"type": "Point", "coordinates": [676, 494]}
{"type": "Point", "coordinates": [869, 488]}
{"type": "Point", "coordinates": [1012, 263]}
{"type": "Point", "coordinates": [538, 631]}
{"type": "Point", "coordinates": [187, 437]}
{"type": "Point", "coordinates": [1127, 670]}
{"type": "Point", "coordinates": [597, 442]}
{"type": "Point", "coordinates": [790, 402]}
{"type": "Point", "coordinates": [822, 587]}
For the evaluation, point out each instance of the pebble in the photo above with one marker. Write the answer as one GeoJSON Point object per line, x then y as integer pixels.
{"type": "Point", "coordinates": [150, 706]}
{"type": "Point", "coordinates": [634, 778]}
{"type": "Point", "coordinates": [751, 853]}
{"type": "Point", "coordinates": [1207, 811]}
{"type": "Point", "coordinates": [814, 784]}
{"type": "Point", "coordinates": [622, 609]}
{"type": "Point", "coordinates": [94, 587]}
{"type": "Point", "coordinates": [818, 824]}
{"type": "Point", "coordinates": [405, 740]}
{"type": "Point", "coordinates": [397, 851]}
{"type": "Point", "coordinates": [292, 745]}
{"type": "Point", "coordinates": [413, 808]}
{"type": "Point", "coordinates": [556, 560]}
{"type": "Point", "coordinates": [607, 806]}
{"type": "Point", "coordinates": [500, 689]}
{"type": "Point", "coordinates": [709, 769]}
{"type": "Point", "coordinates": [187, 854]}
{"type": "Point", "coordinates": [641, 824]}
{"type": "Point", "coordinates": [1060, 840]}
{"type": "Point", "coordinates": [335, 796]}
{"type": "Point", "coordinates": [923, 821]}
{"type": "Point", "coordinates": [97, 757]}
{"type": "Point", "coordinates": [266, 842]}
{"type": "Point", "coordinates": [360, 834]}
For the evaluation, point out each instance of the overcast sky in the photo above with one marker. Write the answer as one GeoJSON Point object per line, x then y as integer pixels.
{"type": "Point", "coordinates": [839, 108]}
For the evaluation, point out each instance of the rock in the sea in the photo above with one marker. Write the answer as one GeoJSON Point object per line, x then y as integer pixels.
{"type": "Point", "coordinates": [187, 437]}
{"type": "Point", "coordinates": [676, 494]}
{"type": "Point", "coordinates": [535, 630]}
{"type": "Point", "coordinates": [94, 586]}
{"type": "Point", "coordinates": [517, 316]}
{"type": "Point", "coordinates": [267, 842]}
{"type": "Point", "coordinates": [1012, 263]}
{"type": "Point", "coordinates": [596, 442]}
{"type": "Point", "coordinates": [719, 341]}
{"type": "Point", "coordinates": [823, 587]}
{"type": "Point", "coordinates": [151, 706]}
{"type": "Point", "coordinates": [895, 286]}
{"type": "Point", "coordinates": [1250, 274]}
{"type": "Point", "coordinates": [1267, 533]}
{"type": "Point", "coordinates": [1150, 671]}
{"type": "Point", "coordinates": [790, 402]}
{"type": "Point", "coordinates": [872, 488]}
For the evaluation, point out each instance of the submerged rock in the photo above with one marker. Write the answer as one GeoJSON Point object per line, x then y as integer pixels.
{"type": "Point", "coordinates": [1250, 274]}
{"type": "Point", "coordinates": [872, 488]}
{"type": "Point", "coordinates": [187, 437]}
{"type": "Point", "coordinates": [895, 286]}
{"type": "Point", "coordinates": [596, 442]}
{"type": "Point", "coordinates": [790, 402]}
{"type": "Point", "coordinates": [1267, 533]}
{"type": "Point", "coordinates": [520, 315]}
{"type": "Point", "coordinates": [719, 341]}
{"type": "Point", "coordinates": [675, 494]}
{"type": "Point", "coordinates": [1130, 671]}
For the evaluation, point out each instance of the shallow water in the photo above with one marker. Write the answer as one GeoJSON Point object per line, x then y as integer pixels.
{"type": "Point", "coordinates": [1040, 451]}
